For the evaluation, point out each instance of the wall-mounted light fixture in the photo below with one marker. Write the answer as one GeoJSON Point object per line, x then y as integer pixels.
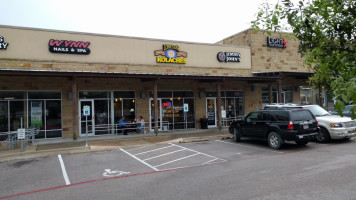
{"type": "Point", "coordinates": [70, 95]}
{"type": "Point", "coordinates": [143, 95]}
{"type": "Point", "coordinates": [201, 94]}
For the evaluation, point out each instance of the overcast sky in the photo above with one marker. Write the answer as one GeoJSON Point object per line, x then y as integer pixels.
{"type": "Point", "coordinates": [206, 21]}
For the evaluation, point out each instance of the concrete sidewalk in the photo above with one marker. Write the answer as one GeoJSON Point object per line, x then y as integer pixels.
{"type": "Point", "coordinates": [49, 147]}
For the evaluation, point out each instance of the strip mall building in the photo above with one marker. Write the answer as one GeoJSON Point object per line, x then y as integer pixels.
{"type": "Point", "coordinates": [48, 77]}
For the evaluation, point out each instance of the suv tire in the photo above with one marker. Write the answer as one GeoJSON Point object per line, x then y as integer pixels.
{"type": "Point", "coordinates": [274, 140]}
{"type": "Point", "coordinates": [323, 136]}
{"type": "Point", "coordinates": [237, 136]}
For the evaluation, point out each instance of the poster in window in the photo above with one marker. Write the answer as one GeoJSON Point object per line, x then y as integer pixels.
{"type": "Point", "coordinates": [36, 113]}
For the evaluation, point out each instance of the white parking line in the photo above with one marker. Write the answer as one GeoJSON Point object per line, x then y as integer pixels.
{"type": "Point", "coordinates": [152, 150]}
{"type": "Point", "coordinates": [65, 175]}
{"type": "Point", "coordinates": [248, 146]}
{"type": "Point", "coordinates": [177, 159]}
{"type": "Point", "coordinates": [164, 154]}
{"type": "Point", "coordinates": [195, 151]}
{"type": "Point", "coordinates": [150, 166]}
{"type": "Point", "coordinates": [180, 149]}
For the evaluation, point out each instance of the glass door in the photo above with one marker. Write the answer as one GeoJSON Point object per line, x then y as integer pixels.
{"type": "Point", "coordinates": [211, 111]}
{"type": "Point", "coordinates": [90, 117]}
{"type": "Point", "coordinates": [152, 114]}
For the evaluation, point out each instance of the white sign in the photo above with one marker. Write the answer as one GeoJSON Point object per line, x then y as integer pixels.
{"type": "Point", "coordinates": [86, 110]}
{"type": "Point", "coordinates": [21, 133]}
{"type": "Point", "coordinates": [223, 113]}
{"type": "Point", "coordinates": [185, 107]}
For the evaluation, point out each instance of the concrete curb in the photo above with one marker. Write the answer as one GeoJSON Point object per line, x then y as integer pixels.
{"type": "Point", "coordinates": [102, 145]}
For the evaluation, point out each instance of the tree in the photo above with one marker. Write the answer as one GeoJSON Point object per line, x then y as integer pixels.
{"type": "Point", "coordinates": [327, 31]}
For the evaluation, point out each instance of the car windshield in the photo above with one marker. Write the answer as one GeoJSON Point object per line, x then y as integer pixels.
{"type": "Point", "coordinates": [348, 108]}
{"type": "Point", "coordinates": [317, 111]}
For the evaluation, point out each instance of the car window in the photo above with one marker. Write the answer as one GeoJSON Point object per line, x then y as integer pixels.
{"type": "Point", "coordinates": [317, 110]}
{"type": "Point", "coordinates": [301, 115]}
{"type": "Point", "coordinates": [282, 116]}
{"type": "Point", "coordinates": [264, 116]}
{"type": "Point", "coordinates": [253, 116]}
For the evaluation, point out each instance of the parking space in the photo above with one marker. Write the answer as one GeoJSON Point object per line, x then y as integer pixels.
{"type": "Point", "coordinates": [29, 175]}
{"type": "Point", "coordinates": [170, 156]}
{"type": "Point", "coordinates": [54, 171]}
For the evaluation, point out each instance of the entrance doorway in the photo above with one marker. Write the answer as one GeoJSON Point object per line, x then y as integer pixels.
{"type": "Point", "coordinates": [90, 118]}
{"type": "Point", "coordinates": [211, 111]}
{"type": "Point", "coordinates": [152, 114]}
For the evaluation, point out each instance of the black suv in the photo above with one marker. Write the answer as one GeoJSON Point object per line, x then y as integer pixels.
{"type": "Point", "coordinates": [277, 126]}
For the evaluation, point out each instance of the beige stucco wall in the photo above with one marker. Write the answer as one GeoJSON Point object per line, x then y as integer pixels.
{"type": "Point", "coordinates": [32, 45]}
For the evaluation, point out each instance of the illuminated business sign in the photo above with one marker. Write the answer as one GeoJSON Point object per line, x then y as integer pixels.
{"type": "Point", "coordinates": [171, 54]}
{"type": "Point", "coordinates": [3, 45]}
{"type": "Point", "coordinates": [166, 105]}
{"type": "Point", "coordinates": [68, 46]}
{"type": "Point", "coordinates": [229, 57]}
{"type": "Point", "coordinates": [276, 42]}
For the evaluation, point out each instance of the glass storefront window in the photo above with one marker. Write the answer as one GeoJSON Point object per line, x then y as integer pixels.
{"type": "Point", "coordinates": [16, 114]}
{"type": "Point", "coordinates": [232, 103]}
{"type": "Point", "coordinates": [53, 119]}
{"type": "Point", "coordinates": [129, 109]}
{"type": "Point", "coordinates": [178, 114]}
{"type": "Point", "coordinates": [190, 113]}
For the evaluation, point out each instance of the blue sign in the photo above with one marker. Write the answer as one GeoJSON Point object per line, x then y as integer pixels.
{"type": "Point", "coordinates": [185, 107]}
{"type": "Point", "coordinates": [86, 110]}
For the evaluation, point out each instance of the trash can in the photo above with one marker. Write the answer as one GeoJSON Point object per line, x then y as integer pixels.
{"type": "Point", "coordinates": [204, 123]}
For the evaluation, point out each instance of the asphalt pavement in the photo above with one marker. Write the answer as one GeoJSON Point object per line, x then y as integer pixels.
{"type": "Point", "coordinates": [42, 148]}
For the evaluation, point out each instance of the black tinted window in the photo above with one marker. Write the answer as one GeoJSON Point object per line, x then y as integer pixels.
{"type": "Point", "coordinates": [252, 116]}
{"type": "Point", "coordinates": [300, 115]}
{"type": "Point", "coordinates": [264, 116]}
{"type": "Point", "coordinates": [281, 116]}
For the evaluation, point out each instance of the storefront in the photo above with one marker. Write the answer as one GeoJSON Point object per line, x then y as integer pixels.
{"type": "Point", "coordinates": [48, 77]}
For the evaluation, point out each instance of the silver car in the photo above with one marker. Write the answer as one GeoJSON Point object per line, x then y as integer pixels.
{"type": "Point", "coordinates": [331, 126]}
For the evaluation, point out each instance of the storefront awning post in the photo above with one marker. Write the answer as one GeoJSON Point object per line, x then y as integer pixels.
{"type": "Point", "coordinates": [155, 100]}
{"type": "Point", "coordinates": [219, 105]}
{"type": "Point", "coordinates": [75, 106]}
{"type": "Point", "coordinates": [270, 94]}
{"type": "Point", "coordinates": [280, 91]}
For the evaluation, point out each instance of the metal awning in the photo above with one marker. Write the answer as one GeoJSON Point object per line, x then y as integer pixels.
{"type": "Point", "coordinates": [144, 76]}
{"type": "Point", "coordinates": [281, 74]}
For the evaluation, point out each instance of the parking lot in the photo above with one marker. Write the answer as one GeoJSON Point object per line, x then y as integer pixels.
{"type": "Point", "coordinates": [29, 179]}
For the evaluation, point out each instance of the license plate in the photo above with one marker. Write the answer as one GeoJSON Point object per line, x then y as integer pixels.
{"type": "Point", "coordinates": [305, 126]}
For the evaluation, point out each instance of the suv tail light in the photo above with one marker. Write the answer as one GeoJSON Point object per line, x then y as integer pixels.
{"type": "Point", "coordinates": [317, 123]}
{"type": "Point", "coordinates": [290, 125]}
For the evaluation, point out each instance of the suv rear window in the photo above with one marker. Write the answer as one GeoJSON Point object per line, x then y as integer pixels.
{"type": "Point", "coordinates": [301, 115]}
{"type": "Point", "coordinates": [280, 116]}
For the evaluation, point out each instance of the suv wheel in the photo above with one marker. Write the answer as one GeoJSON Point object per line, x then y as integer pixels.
{"type": "Point", "coordinates": [323, 136]}
{"type": "Point", "coordinates": [237, 136]}
{"type": "Point", "coordinates": [274, 140]}
{"type": "Point", "coordinates": [302, 142]}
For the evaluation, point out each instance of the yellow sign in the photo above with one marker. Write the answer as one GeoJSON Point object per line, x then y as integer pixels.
{"type": "Point", "coordinates": [171, 54]}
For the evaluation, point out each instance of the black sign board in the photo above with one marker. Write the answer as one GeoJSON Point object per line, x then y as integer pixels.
{"type": "Point", "coordinates": [276, 42]}
{"type": "Point", "coordinates": [68, 46]}
{"type": "Point", "coordinates": [229, 57]}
